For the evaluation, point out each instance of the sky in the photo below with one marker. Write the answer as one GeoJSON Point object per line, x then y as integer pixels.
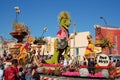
{"type": "Point", "coordinates": [37, 14]}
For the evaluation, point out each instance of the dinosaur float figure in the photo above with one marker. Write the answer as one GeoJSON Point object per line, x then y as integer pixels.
{"type": "Point", "coordinates": [61, 42]}
{"type": "Point", "coordinates": [24, 50]}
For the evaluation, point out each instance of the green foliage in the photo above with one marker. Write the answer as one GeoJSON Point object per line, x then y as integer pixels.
{"type": "Point", "coordinates": [57, 71]}
{"type": "Point", "coordinates": [40, 41]}
{"type": "Point", "coordinates": [106, 43]}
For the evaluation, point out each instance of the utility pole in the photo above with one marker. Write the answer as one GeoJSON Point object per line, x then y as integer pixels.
{"type": "Point", "coordinates": [74, 50]}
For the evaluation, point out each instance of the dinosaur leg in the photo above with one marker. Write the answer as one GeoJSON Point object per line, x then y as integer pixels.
{"type": "Point", "coordinates": [66, 53]}
{"type": "Point", "coordinates": [54, 59]}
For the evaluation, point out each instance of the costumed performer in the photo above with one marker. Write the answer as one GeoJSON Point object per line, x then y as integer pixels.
{"type": "Point", "coordinates": [89, 52]}
{"type": "Point", "coordinates": [61, 42]}
{"type": "Point", "coordinates": [90, 55]}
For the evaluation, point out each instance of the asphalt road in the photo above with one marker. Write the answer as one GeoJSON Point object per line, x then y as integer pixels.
{"type": "Point", "coordinates": [75, 78]}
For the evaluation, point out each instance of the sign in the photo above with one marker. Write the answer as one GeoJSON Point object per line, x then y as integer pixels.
{"type": "Point", "coordinates": [103, 60]}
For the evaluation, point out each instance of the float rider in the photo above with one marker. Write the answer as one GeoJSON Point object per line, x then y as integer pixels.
{"type": "Point", "coordinates": [90, 55]}
{"type": "Point", "coordinates": [89, 52]}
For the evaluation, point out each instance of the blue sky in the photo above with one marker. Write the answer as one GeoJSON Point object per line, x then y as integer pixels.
{"type": "Point", "coordinates": [37, 14]}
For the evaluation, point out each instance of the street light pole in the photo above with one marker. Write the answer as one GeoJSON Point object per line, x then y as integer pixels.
{"type": "Point", "coordinates": [104, 20]}
{"type": "Point", "coordinates": [44, 30]}
{"type": "Point", "coordinates": [105, 24]}
{"type": "Point", "coordinates": [17, 10]}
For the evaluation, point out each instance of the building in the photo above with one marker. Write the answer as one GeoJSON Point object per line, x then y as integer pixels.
{"type": "Point", "coordinates": [5, 46]}
{"type": "Point", "coordinates": [110, 33]}
{"type": "Point", "coordinates": [78, 44]}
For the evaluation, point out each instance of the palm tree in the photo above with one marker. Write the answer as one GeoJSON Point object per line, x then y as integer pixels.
{"type": "Point", "coordinates": [107, 43]}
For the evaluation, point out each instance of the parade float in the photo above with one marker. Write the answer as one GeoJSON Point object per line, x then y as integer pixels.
{"type": "Point", "coordinates": [92, 64]}
{"type": "Point", "coordinates": [19, 33]}
{"type": "Point", "coordinates": [106, 64]}
{"type": "Point", "coordinates": [98, 65]}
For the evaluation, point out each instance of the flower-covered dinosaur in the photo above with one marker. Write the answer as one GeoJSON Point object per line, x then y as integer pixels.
{"type": "Point", "coordinates": [61, 42]}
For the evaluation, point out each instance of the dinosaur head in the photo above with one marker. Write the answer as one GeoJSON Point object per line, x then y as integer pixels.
{"type": "Point", "coordinates": [64, 20]}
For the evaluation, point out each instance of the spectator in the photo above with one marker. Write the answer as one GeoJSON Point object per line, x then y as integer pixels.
{"type": "Point", "coordinates": [1, 71]}
{"type": "Point", "coordinates": [35, 74]}
{"type": "Point", "coordinates": [28, 75]}
{"type": "Point", "coordinates": [114, 63]}
{"type": "Point", "coordinates": [9, 58]}
{"type": "Point", "coordinates": [118, 63]}
{"type": "Point", "coordinates": [21, 74]}
{"type": "Point", "coordinates": [49, 56]}
{"type": "Point", "coordinates": [11, 72]}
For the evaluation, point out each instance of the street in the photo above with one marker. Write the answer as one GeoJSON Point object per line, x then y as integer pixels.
{"type": "Point", "coordinates": [49, 77]}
